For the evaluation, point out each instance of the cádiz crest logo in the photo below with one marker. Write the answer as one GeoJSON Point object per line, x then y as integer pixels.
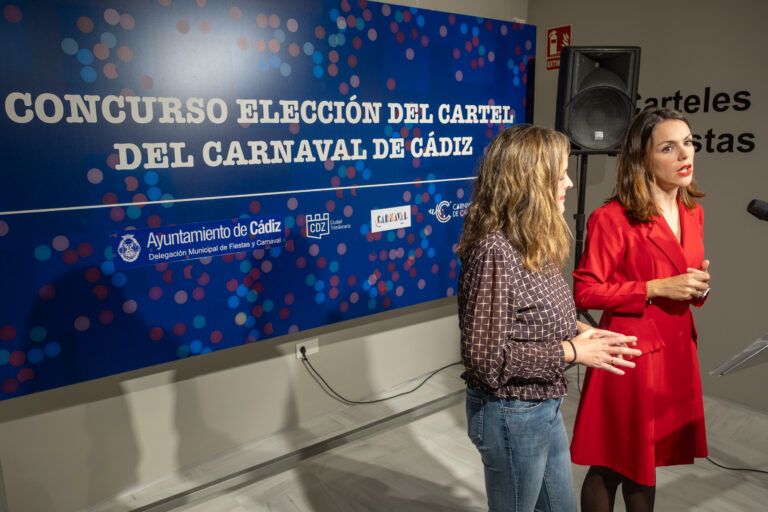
{"type": "Point", "coordinates": [128, 249]}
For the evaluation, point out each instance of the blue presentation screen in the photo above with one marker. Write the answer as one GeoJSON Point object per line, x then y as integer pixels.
{"type": "Point", "coordinates": [180, 177]}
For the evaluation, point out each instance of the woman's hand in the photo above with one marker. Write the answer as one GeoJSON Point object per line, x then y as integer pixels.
{"type": "Point", "coordinates": [602, 349]}
{"type": "Point", "coordinates": [691, 285]}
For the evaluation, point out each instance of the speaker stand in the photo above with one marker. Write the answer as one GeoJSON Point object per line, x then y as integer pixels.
{"type": "Point", "coordinates": [581, 188]}
{"type": "Point", "coordinates": [580, 217]}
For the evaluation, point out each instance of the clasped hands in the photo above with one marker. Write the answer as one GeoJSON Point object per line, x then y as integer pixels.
{"type": "Point", "coordinates": [694, 284]}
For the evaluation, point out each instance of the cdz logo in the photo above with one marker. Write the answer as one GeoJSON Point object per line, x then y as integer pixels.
{"type": "Point", "coordinates": [318, 225]}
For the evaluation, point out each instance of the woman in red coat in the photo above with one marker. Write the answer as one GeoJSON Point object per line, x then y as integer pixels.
{"type": "Point", "coordinates": [644, 266]}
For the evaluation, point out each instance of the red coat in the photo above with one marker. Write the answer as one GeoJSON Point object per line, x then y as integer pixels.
{"type": "Point", "coordinates": [653, 415]}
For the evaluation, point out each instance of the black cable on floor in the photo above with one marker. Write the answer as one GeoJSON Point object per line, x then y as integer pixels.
{"type": "Point", "coordinates": [738, 469]}
{"type": "Point", "coordinates": [330, 391]}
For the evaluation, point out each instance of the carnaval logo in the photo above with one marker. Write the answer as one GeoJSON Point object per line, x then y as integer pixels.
{"type": "Point", "coordinates": [445, 210]}
{"type": "Point", "coordinates": [129, 249]}
{"type": "Point", "coordinates": [386, 219]}
{"type": "Point", "coordinates": [439, 211]}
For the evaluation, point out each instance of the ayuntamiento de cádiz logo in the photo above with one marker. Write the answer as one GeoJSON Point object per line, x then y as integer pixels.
{"type": "Point", "coordinates": [129, 249]}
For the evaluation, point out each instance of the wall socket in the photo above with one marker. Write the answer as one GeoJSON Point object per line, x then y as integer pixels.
{"type": "Point", "coordinates": [312, 346]}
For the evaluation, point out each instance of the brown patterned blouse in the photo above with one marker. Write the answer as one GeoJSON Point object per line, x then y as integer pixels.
{"type": "Point", "coordinates": [513, 323]}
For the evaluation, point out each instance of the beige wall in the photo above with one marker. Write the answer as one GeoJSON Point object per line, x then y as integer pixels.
{"type": "Point", "coordinates": [687, 46]}
{"type": "Point", "coordinates": [70, 447]}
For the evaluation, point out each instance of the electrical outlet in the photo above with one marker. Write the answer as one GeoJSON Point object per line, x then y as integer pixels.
{"type": "Point", "coordinates": [311, 346]}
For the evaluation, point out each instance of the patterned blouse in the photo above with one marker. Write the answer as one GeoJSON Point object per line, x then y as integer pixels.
{"type": "Point", "coordinates": [513, 322]}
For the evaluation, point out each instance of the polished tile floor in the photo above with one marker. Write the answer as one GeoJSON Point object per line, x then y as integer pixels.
{"type": "Point", "coordinates": [428, 464]}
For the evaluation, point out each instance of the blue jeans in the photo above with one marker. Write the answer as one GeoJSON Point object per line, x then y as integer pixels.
{"type": "Point", "coordinates": [525, 453]}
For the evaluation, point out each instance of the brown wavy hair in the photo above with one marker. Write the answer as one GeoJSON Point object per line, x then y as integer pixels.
{"type": "Point", "coordinates": [634, 172]}
{"type": "Point", "coordinates": [516, 193]}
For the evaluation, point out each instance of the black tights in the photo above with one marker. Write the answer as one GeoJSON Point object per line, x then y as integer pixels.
{"type": "Point", "coordinates": [598, 493]}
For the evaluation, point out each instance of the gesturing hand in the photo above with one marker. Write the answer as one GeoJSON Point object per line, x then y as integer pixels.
{"type": "Point", "coordinates": [602, 349]}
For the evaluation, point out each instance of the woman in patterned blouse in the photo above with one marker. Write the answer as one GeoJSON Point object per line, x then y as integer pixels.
{"type": "Point", "coordinates": [518, 321]}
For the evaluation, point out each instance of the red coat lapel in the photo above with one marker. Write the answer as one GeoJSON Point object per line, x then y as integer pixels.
{"type": "Point", "coordinates": [663, 238]}
{"type": "Point", "coordinates": [691, 236]}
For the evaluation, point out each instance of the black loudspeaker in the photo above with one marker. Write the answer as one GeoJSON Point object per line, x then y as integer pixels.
{"type": "Point", "coordinates": [596, 96]}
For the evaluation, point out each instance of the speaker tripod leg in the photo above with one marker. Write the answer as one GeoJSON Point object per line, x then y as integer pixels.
{"type": "Point", "coordinates": [580, 223]}
{"type": "Point", "coordinates": [579, 215]}
{"type": "Point", "coordinates": [583, 313]}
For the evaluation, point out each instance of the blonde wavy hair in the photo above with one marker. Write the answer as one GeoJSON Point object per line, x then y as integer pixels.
{"type": "Point", "coordinates": [516, 193]}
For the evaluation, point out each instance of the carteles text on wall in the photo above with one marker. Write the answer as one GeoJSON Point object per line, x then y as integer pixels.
{"type": "Point", "coordinates": [709, 101]}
